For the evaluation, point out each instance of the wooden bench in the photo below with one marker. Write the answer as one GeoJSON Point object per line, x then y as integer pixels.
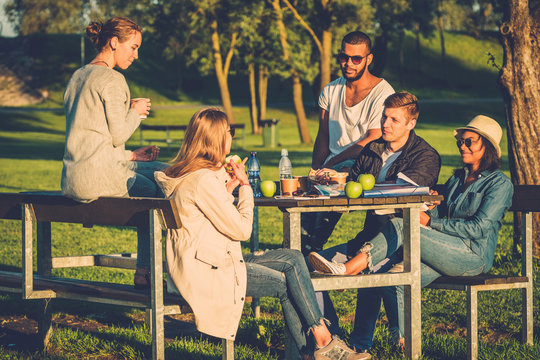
{"type": "Point", "coordinates": [170, 140]}
{"type": "Point", "coordinates": [45, 208]}
{"type": "Point", "coordinates": [526, 200]}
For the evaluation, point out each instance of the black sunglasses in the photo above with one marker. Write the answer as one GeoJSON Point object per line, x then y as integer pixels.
{"type": "Point", "coordinates": [468, 142]}
{"type": "Point", "coordinates": [232, 131]}
{"type": "Point", "coordinates": [344, 58]}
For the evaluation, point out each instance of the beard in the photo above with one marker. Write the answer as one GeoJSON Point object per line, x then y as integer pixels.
{"type": "Point", "coordinates": [354, 78]}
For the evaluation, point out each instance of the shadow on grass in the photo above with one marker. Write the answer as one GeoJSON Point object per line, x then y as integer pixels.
{"type": "Point", "coordinates": [31, 149]}
{"type": "Point", "coordinates": [25, 122]}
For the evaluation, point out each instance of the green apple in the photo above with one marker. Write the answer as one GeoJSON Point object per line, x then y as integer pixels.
{"type": "Point", "coordinates": [268, 188]}
{"type": "Point", "coordinates": [353, 189]}
{"type": "Point", "coordinates": [367, 181]}
{"type": "Point", "coordinates": [235, 158]}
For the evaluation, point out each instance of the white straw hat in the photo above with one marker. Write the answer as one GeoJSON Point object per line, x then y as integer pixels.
{"type": "Point", "coordinates": [485, 126]}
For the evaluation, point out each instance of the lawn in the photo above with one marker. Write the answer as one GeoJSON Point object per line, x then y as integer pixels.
{"type": "Point", "coordinates": [31, 149]}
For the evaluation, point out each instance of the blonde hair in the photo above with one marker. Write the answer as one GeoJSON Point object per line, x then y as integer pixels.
{"type": "Point", "coordinates": [406, 100]}
{"type": "Point", "coordinates": [204, 143]}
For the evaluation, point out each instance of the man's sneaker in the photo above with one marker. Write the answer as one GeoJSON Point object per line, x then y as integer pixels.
{"type": "Point", "coordinates": [322, 265]}
{"type": "Point", "coordinates": [338, 350]}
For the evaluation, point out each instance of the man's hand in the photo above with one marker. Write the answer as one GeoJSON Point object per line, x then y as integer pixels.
{"type": "Point", "coordinates": [435, 203]}
{"type": "Point", "coordinates": [147, 153]}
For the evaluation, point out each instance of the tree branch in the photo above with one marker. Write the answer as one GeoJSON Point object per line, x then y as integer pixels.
{"type": "Point", "coordinates": [230, 53]}
{"type": "Point", "coordinates": [305, 25]}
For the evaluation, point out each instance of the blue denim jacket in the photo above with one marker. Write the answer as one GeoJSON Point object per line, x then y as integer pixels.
{"type": "Point", "coordinates": [476, 214]}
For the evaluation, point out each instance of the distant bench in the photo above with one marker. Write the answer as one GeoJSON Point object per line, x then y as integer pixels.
{"type": "Point", "coordinates": [45, 208]}
{"type": "Point", "coordinates": [169, 140]}
{"type": "Point", "coordinates": [526, 200]}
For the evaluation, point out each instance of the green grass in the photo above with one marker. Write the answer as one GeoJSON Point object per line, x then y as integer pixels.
{"type": "Point", "coordinates": [31, 149]}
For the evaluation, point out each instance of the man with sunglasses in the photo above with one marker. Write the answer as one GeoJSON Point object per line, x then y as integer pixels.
{"type": "Point", "coordinates": [350, 114]}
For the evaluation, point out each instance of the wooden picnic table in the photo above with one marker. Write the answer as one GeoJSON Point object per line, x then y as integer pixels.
{"type": "Point", "coordinates": [410, 277]}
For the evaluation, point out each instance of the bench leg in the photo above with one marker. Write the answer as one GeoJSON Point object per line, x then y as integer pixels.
{"type": "Point", "coordinates": [472, 323]}
{"type": "Point", "coordinates": [45, 323]}
{"type": "Point", "coordinates": [228, 349]}
{"type": "Point", "coordinates": [527, 270]}
{"type": "Point", "coordinates": [156, 266]}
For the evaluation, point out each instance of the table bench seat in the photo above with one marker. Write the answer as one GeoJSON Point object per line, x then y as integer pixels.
{"type": "Point", "coordinates": [121, 294]}
{"type": "Point", "coordinates": [448, 282]}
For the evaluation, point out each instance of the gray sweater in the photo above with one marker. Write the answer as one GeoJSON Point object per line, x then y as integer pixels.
{"type": "Point", "coordinates": [99, 121]}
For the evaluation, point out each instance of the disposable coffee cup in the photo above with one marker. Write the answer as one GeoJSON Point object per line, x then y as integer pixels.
{"type": "Point", "coordinates": [288, 186]}
{"type": "Point", "coordinates": [138, 99]}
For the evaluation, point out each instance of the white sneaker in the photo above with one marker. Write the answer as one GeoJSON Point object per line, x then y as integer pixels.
{"type": "Point", "coordinates": [338, 350]}
{"type": "Point", "coordinates": [322, 265]}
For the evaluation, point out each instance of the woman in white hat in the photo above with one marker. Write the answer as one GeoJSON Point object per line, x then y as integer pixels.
{"type": "Point", "coordinates": [459, 235]}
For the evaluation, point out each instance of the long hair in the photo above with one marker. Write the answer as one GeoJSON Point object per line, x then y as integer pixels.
{"type": "Point", "coordinates": [204, 143]}
{"type": "Point", "coordinates": [100, 33]}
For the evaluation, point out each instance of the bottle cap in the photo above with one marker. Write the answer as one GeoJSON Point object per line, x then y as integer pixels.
{"type": "Point", "coordinates": [253, 153]}
{"type": "Point", "coordinates": [284, 152]}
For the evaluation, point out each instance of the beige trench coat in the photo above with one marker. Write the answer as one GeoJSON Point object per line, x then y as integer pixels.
{"type": "Point", "coordinates": [204, 256]}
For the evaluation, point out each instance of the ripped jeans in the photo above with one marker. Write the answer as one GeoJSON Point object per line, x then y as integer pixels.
{"type": "Point", "coordinates": [441, 254]}
{"type": "Point", "coordinates": [282, 273]}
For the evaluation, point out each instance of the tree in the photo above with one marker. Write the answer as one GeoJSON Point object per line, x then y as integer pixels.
{"type": "Point", "coordinates": [392, 17]}
{"type": "Point", "coordinates": [207, 32]}
{"type": "Point", "coordinates": [44, 16]}
{"type": "Point", "coordinates": [519, 81]}
{"type": "Point", "coordinates": [294, 67]}
{"type": "Point", "coordinates": [423, 12]}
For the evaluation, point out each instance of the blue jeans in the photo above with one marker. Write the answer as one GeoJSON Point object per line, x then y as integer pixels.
{"type": "Point", "coordinates": [283, 273]}
{"type": "Point", "coordinates": [144, 185]}
{"type": "Point", "coordinates": [317, 227]}
{"type": "Point", "coordinates": [441, 254]}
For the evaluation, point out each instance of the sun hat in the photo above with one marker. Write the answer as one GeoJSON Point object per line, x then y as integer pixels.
{"type": "Point", "coordinates": [485, 126]}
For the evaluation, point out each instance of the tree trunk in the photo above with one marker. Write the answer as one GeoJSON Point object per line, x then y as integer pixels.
{"type": "Point", "coordinates": [519, 81]}
{"type": "Point", "coordinates": [301, 119]}
{"type": "Point", "coordinates": [440, 25]}
{"type": "Point", "coordinates": [221, 74]}
{"type": "Point", "coordinates": [253, 99]}
{"type": "Point", "coordinates": [326, 59]}
{"type": "Point", "coordinates": [263, 91]}
{"type": "Point", "coordinates": [295, 76]}
{"type": "Point", "coordinates": [380, 53]}
{"type": "Point", "coordinates": [401, 37]}
{"type": "Point", "coordinates": [418, 50]}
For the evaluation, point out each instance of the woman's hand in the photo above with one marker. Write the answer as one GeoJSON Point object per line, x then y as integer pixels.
{"type": "Point", "coordinates": [425, 219]}
{"type": "Point", "coordinates": [147, 153]}
{"type": "Point", "coordinates": [435, 203]}
{"type": "Point", "coordinates": [141, 105]}
{"type": "Point", "coordinates": [238, 175]}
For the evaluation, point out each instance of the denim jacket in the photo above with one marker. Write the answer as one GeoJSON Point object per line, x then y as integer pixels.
{"type": "Point", "coordinates": [476, 214]}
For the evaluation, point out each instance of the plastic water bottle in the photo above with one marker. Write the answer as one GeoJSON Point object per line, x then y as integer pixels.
{"type": "Point", "coordinates": [254, 171]}
{"type": "Point", "coordinates": [285, 166]}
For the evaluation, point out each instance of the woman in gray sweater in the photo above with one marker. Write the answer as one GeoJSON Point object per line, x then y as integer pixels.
{"type": "Point", "coordinates": [100, 118]}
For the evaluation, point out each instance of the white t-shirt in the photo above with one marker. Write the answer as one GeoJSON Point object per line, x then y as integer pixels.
{"type": "Point", "coordinates": [388, 157]}
{"type": "Point", "coordinates": [348, 125]}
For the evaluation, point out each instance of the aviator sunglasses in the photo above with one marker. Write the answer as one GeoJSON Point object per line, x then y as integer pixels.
{"type": "Point", "coordinates": [342, 57]}
{"type": "Point", "coordinates": [468, 142]}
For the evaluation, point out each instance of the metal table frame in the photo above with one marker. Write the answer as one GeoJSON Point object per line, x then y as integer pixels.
{"type": "Point", "coordinates": [410, 277]}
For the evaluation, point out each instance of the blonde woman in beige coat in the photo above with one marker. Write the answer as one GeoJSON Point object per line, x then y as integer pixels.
{"type": "Point", "coordinates": [204, 256]}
